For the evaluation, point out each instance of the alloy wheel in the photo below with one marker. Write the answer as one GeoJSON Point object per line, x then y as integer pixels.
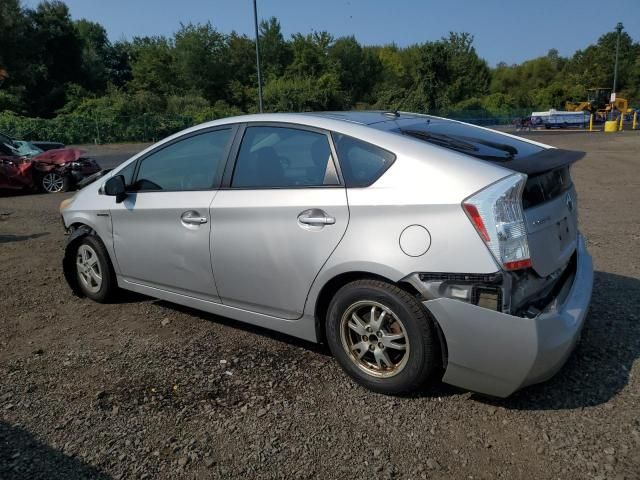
{"type": "Point", "coordinates": [53, 182]}
{"type": "Point", "coordinates": [88, 267]}
{"type": "Point", "coordinates": [374, 338]}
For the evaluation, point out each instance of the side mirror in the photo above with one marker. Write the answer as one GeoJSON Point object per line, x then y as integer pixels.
{"type": "Point", "coordinates": [115, 187]}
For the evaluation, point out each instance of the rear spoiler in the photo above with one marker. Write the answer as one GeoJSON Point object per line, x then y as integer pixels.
{"type": "Point", "coordinates": [543, 161]}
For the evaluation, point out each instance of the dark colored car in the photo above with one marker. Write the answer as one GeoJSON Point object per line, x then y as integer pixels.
{"type": "Point", "coordinates": [25, 166]}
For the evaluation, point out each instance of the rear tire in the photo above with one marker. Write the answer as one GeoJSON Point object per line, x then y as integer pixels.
{"type": "Point", "coordinates": [95, 276]}
{"type": "Point", "coordinates": [382, 337]}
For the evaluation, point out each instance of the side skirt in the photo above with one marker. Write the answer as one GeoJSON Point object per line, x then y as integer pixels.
{"type": "Point", "coordinates": [303, 328]}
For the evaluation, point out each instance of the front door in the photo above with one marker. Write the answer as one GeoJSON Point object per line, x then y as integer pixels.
{"type": "Point", "coordinates": [161, 231]}
{"type": "Point", "coordinates": [279, 220]}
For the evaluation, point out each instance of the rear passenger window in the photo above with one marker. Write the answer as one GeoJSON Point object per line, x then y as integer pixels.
{"type": "Point", "coordinates": [283, 157]}
{"type": "Point", "coordinates": [361, 163]}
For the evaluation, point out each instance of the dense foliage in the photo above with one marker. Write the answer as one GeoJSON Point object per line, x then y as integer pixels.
{"type": "Point", "coordinates": [64, 79]}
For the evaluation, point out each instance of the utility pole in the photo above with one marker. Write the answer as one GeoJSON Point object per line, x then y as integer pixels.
{"type": "Point", "coordinates": [619, 28]}
{"type": "Point", "coordinates": [255, 21]}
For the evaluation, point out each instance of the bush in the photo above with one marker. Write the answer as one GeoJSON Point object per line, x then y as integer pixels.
{"type": "Point", "coordinates": [118, 117]}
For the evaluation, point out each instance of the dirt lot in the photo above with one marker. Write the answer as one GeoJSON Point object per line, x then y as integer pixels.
{"type": "Point", "coordinates": [144, 389]}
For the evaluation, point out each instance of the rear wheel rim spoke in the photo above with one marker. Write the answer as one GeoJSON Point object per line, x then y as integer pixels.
{"type": "Point", "coordinates": [374, 338]}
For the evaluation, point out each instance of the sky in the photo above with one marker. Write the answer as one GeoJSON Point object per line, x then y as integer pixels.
{"type": "Point", "coordinates": [509, 31]}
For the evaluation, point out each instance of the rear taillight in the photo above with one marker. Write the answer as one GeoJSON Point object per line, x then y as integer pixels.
{"type": "Point", "coordinates": [496, 213]}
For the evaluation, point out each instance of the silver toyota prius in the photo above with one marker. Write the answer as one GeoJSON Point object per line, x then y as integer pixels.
{"type": "Point", "coordinates": [416, 247]}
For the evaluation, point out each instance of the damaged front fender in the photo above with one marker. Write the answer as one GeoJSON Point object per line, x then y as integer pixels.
{"type": "Point", "coordinates": [69, 259]}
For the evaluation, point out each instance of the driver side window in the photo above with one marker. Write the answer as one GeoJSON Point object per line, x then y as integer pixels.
{"type": "Point", "coordinates": [188, 164]}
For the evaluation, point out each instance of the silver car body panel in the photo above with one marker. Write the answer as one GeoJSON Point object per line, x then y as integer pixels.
{"type": "Point", "coordinates": [257, 242]}
{"type": "Point", "coordinates": [552, 229]}
{"type": "Point", "coordinates": [264, 271]}
{"type": "Point", "coordinates": [495, 353]}
{"type": "Point", "coordinates": [155, 247]}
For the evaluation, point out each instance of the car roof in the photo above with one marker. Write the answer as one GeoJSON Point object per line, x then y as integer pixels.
{"type": "Point", "coordinates": [365, 117]}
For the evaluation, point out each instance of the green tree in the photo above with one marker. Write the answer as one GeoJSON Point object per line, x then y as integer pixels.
{"type": "Point", "coordinates": [56, 56]}
{"type": "Point", "coordinates": [358, 69]}
{"type": "Point", "coordinates": [153, 66]}
{"type": "Point", "coordinates": [202, 57]}
{"type": "Point", "coordinates": [311, 55]}
{"type": "Point", "coordinates": [95, 51]}
{"type": "Point", "coordinates": [15, 65]}
{"type": "Point", "coordinates": [275, 52]}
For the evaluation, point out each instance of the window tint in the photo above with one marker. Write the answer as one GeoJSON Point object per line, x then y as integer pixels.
{"type": "Point", "coordinates": [283, 157]}
{"type": "Point", "coordinates": [189, 164]}
{"type": "Point", "coordinates": [361, 163]}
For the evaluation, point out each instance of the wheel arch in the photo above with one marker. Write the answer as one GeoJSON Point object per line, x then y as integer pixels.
{"type": "Point", "coordinates": [78, 231]}
{"type": "Point", "coordinates": [331, 287]}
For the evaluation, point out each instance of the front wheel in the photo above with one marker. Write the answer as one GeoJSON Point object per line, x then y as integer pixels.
{"type": "Point", "coordinates": [94, 272]}
{"type": "Point", "coordinates": [382, 337]}
{"type": "Point", "coordinates": [53, 182]}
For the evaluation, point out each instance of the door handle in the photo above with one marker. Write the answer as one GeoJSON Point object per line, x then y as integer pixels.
{"type": "Point", "coordinates": [316, 217]}
{"type": "Point", "coordinates": [193, 218]}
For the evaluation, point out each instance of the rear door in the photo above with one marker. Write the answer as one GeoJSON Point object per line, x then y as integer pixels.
{"type": "Point", "coordinates": [161, 231]}
{"type": "Point", "coordinates": [281, 215]}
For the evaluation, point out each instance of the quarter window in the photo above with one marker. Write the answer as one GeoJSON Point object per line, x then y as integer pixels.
{"type": "Point", "coordinates": [361, 163]}
{"type": "Point", "coordinates": [283, 157]}
{"type": "Point", "coordinates": [127, 173]}
{"type": "Point", "coordinates": [189, 164]}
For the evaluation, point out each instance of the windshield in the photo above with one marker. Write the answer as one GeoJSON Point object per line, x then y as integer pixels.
{"type": "Point", "coordinates": [468, 139]}
{"type": "Point", "coordinates": [27, 149]}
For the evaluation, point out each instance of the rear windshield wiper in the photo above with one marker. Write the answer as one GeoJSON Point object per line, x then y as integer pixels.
{"type": "Point", "coordinates": [442, 140]}
{"type": "Point", "coordinates": [510, 149]}
{"type": "Point", "coordinates": [465, 144]}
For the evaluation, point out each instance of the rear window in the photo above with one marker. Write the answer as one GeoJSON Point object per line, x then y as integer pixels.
{"type": "Point", "coordinates": [467, 139]}
{"type": "Point", "coordinates": [361, 163]}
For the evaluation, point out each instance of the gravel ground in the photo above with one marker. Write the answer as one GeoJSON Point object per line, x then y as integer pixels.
{"type": "Point", "coordinates": [146, 389]}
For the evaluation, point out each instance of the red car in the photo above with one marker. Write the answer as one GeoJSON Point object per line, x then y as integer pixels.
{"type": "Point", "coordinates": [25, 166]}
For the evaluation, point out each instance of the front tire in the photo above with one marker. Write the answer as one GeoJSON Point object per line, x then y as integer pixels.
{"type": "Point", "coordinates": [94, 273]}
{"type": "Point", "coordinates": [53, 182]}
{"type": "Point", "coordinates": [382, 337]}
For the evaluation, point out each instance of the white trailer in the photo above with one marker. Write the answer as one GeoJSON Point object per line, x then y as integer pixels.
{"type": "Point", "coordinates": [560, 119]}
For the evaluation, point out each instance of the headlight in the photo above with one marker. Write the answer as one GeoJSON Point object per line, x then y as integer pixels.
{"type": "Point", "coordinates": [76, 165]}
{"type": "Point", "coordinates": [65, 203]}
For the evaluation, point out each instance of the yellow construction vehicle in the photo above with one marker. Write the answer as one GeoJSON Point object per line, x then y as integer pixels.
{"type": "Point", "coordinates": [598, 102]}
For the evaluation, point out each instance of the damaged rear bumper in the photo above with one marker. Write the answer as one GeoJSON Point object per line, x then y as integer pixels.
{"type": "Point", "coordinates": [496, 353]}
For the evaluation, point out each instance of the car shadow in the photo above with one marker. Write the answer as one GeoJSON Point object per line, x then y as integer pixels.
{"type": "Point", "coordinates": [597, 370]}
{"type": "Point", "coordinates": [319, 348]}
{"type": "Point", "coordinates": [127, 296]}
{"type": "Point", "coordinates": [600, 366]}
{"type": "Point", "coordinates": [22, 456]}
{"type": "Point", "coordinates": [21, 238]}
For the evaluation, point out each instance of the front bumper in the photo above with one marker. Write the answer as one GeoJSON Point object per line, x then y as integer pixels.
{"type": "Point", "coordinates": [88, 167]}
{"type": "Point", "coordinates": [495, 353]}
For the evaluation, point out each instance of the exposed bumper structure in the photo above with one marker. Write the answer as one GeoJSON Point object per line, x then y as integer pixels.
{"type": "Point", "coordinates": [495, 353]}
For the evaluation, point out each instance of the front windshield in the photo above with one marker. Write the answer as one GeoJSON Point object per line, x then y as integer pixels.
{"type": "Point", "coordinates": [27, 149]}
